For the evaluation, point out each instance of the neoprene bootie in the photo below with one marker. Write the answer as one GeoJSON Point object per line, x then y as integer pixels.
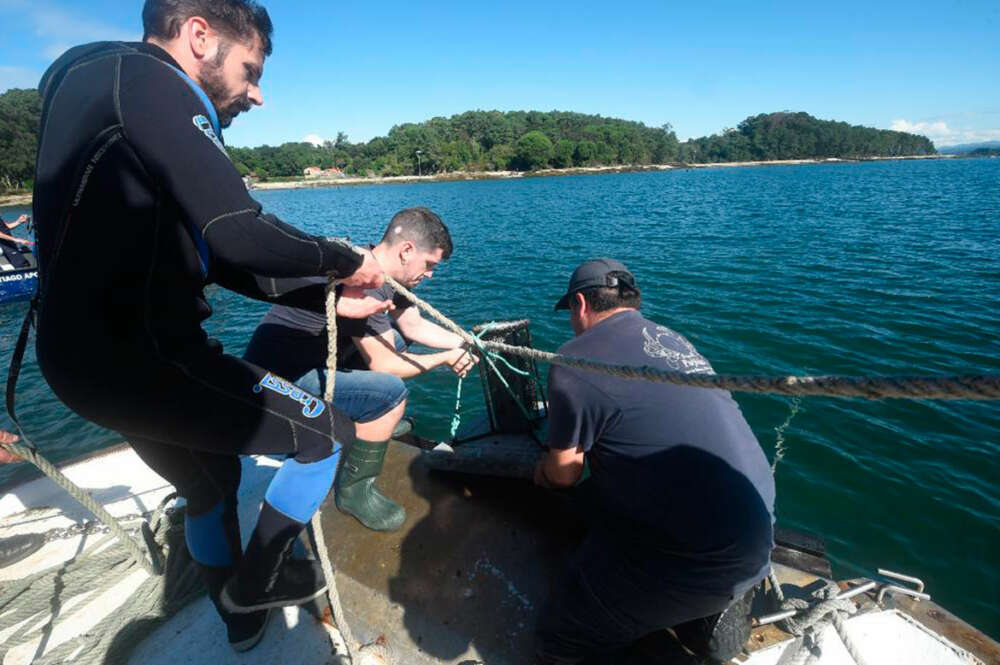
{"type": "Point", "coordinates": [265, 577]}
{"type": "Point", "coordinates": [355, 492]}
{"type": "Point", "coordinates": [243, 630]}
{"type": "Point", "coordinates": [213, 540]}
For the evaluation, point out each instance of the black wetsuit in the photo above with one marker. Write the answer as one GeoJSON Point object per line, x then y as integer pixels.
{"type": "Point", "coordinates": [131, 168]}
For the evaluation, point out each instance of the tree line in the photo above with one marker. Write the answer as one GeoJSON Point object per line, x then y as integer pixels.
{"type": "Point", "coordinates": [475, 141]}
{"type": "Point", "coordinates": [19, 114]}
{"type": "Point", "coordinates": [513, 140]}
{"type": "Point", "coordinates": [788, 135]}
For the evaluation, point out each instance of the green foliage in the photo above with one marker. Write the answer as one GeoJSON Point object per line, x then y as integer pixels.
{"type": "Point", "coordinates": [789, 135]}
{"type": "Point", "coordinates": [20, 111]}
{"type": "Point", "coordinates": [476, 141]}
{"type": "Point", "coordinates": [500, 157]}
{"type": "Point", "coordinates": [586, 153]}
{"type": "Point", "coordinates": [522, 140]}
{"type": "Point", "coordinates": [533, 151]}
{"type": "Point", "coordinates": [562, 154]}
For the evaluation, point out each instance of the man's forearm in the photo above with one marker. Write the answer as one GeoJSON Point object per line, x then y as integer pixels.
{"type": "Point", "coordinates": [408, 365]}
{"type": "Point", "coordinates": [431, 334]}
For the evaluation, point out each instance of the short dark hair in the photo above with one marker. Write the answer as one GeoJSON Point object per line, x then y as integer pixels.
{"type": "Point", "coordinates": [238, 20]}
{"type": "Point", "coordinates": [603, 298]}
{"type": "Point", "coordinates": [421, 227]}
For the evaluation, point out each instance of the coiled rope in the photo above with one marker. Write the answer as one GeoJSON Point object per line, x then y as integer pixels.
{"type": "Point", "coordinates": [29, 607]}
{"type": "Point", "coordinates": [814, 616]}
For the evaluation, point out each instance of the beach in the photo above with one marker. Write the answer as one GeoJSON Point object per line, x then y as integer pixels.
{"type": "Point", "coordinates": [310, 183]}
{"type": "Point", "coordinates": [314, 182]}
{"type": "Point", "coordinates": [15, 200]}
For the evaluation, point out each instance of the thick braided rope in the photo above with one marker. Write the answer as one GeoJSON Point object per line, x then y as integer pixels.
{"type": "Point", "coordinates": [813, 620]}
{"type": "Point", "coordinates": [331, 340]}
{"type": "Point", "coordinates": [332, 594]}
{"type": "Point", "coordinates": [849, 644]}
{"type": "Point", "coordinates": [975, 387]}
{"type": "Point", "coordinates": [152, 563]}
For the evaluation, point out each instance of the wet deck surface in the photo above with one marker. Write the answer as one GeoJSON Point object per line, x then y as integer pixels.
{"type": "Point", "coordinates": [471, 567]}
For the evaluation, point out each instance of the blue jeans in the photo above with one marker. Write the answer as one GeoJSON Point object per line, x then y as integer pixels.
{"type": "Point", "coordinates": [363, 396]}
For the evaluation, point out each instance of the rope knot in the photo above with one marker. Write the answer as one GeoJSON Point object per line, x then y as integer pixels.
{"type": "Point", "coordinates": [823, 602]}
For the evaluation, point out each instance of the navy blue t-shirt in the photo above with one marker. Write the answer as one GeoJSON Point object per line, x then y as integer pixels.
{"type": "Point", "coordinates": [676, 468]}
{"type": "Point", "coordinates": [348, 357]}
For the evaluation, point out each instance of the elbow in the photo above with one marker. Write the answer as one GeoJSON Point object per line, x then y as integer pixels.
{"type": "Point", "coordinates": [564, 477]}
{"type": "Point", "coordinates": [381, 365]}
{"type": "Point", "coordinates": [563, 483]}
{"type": "Point", "coordinates": [376, 365]}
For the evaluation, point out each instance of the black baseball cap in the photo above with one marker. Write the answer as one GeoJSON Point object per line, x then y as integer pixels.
{"type": "Point", "coordinates": [594, 273]}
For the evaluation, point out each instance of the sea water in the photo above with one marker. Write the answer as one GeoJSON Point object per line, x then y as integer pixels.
{"type": "Point", "coordinates": [863, 269]}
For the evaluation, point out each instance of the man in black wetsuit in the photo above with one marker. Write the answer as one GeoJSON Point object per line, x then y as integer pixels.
{"type": "Point", "coordinates": [680, 497]}
{"type": "Point", "coordinates": [131, 163]}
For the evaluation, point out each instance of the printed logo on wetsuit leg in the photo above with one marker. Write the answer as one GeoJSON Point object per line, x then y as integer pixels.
{"type": "Point", "coordinates": [205, 126]}
{"type": "Point", "coordinates": [311, 406]}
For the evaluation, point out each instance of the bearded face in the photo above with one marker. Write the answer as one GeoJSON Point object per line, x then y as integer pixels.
{"type": "Point", "coordinates": [229, 79]}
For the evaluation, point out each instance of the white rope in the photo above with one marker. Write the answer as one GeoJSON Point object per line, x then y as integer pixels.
{"type": "Point", "coordinates": [374, 653]}
{"type": "Point", "coordinates": [331, 340]}
{"type": "Point", "coordinates": [332, 593]}
{"type": "Point", "coordinates": [812, 620]}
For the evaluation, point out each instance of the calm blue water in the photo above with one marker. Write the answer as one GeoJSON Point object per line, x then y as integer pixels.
{"type": "Point", "coordinates": [876, 268]}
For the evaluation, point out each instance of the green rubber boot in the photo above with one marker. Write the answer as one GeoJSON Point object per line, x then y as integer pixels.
{"type": "Point", "coordinates": [355, 492]}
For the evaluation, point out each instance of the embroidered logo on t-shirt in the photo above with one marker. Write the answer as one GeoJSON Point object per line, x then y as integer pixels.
{"type": "Point", "coordinates": [684, 359]}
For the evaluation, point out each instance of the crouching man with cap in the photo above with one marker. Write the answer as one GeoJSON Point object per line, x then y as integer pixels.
{"type": "Point", "coordinates": [679, 499]}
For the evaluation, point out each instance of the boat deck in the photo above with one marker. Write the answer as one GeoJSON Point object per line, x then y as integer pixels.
{"type": "Point", "coordinates": [464, 581]}
{"type": "Point", "coordinates": [467, 575]}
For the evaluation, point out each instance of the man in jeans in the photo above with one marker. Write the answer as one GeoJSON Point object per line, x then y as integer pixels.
{"type": "Point", "coordinates": [372, 360]}
{"type": "Point", "coordinates": [681, 496]}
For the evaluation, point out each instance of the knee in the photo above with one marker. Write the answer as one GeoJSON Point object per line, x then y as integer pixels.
{"type": "Point", "coordinates": [217, 483]}
{"type": "Point", "coordinates": [316, 449]}
{"type": "Point", "coordinates": [395, 390]}
{"type": "Point", "coordinates": [312, 446]}
{"type": "Point", "coordinates": [313, 382]}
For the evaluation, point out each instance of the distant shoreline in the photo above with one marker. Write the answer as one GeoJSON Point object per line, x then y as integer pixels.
{"type": "Point", "coordinates": [317, 183]}
{"type": "Point", "coordinates": [15, 200]}
{"type": "Point", "coordinates": [320, 183]}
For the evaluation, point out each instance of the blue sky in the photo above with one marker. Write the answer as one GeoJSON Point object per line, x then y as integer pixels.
{"type": "Point", "coordinates": [360, 68]}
